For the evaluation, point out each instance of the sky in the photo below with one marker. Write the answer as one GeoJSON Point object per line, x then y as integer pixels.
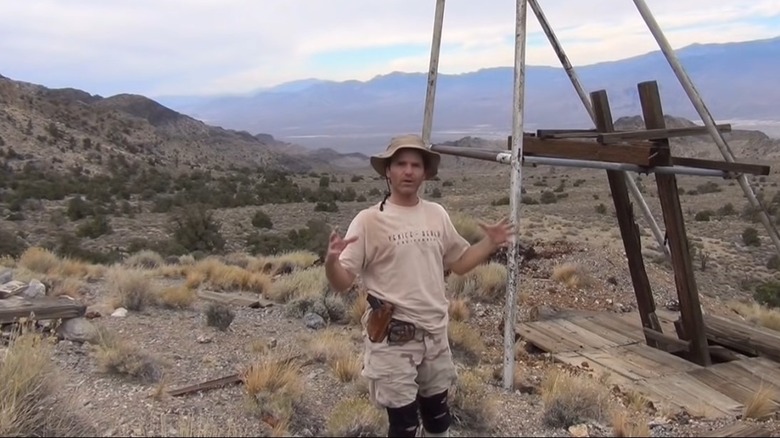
{"type": "Point", "coordinates": [209, 47]}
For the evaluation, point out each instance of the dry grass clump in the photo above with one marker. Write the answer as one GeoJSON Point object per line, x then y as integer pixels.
{"type": "Point", "coordinates": [356, 416]}
{"type": "Point", "coordinates": [275, 387]}
{"type": "Point", "coordinates": [32, 402]}
{"type": "Point", "coordinates": [131, 288]}
{"type": "Point", "coordinates": [219, 315]}
{"type": "Point", "coordinates": [118, 357]}
{"type": "Point", "coordinates": [485, 283]}
{"type": "Point", "coordinates": [629, 424]}
{"type": "Point", "coordinates": [285, 263]}
{"type": "Point", "coordinates": [572, 276]}
{"type": "Point", "coordinates": [228, 277]}
{"type": "Point", "coordinates": [144, 259]}
{"type": "Point", "coordinates": [465, 341]}
{"type": "Point", "coordinates": [467, 227]}
{"type": "Point", "coordinates": [761, 404]}
{"type": "Point", "coordinates": [306, 283]}
{"type": "Point", "coordinates": [177, 297]}
{"type": "Point", "coordinates": [44, 262]}
{"type": "Point", "coordinates": [358, 307]}
{"type": "Point", "coordinates": [571, 399]}
{"type": "Point", "coordinates": [335, 349]}
{"type": "Point", "coordinates": [471, 404]}
{"type": "Point", "coordinates": [459, 309]}
{"type": "Point", "coordinates": [757, 314]}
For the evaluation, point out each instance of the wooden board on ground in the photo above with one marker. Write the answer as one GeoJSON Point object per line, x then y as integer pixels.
{"type": "Point", "coordinates": [243, 299]}
{"type": "Point", "coordinates": [14, 307]}
{"type": "Point", "coordinates": [611, 347]}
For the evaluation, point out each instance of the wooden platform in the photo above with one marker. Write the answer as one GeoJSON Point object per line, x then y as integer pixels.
{"type": "Point", "coordinates": [612, 346]}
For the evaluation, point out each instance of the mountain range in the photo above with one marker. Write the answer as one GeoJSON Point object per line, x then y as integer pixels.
{"type": "Point", "coordinates": [738, 81]}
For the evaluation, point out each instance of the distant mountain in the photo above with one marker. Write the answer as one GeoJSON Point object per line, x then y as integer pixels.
{"type": "Point", "coordinates": [67, 128]}
{"type": "Point", "coordinates": [736, 80]}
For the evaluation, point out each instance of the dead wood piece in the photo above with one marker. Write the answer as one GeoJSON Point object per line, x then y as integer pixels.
{"type": "Point", "coordinates": [208, 385]}
{"type": "Point", "coordinates": [14, 307]}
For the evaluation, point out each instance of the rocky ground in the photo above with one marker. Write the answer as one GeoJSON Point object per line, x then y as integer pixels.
{"type": "Point", "coordinates": [166, 348]}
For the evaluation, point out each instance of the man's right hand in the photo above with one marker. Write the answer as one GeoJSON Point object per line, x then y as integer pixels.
{"type": "Point", "coordinates": [336, 245]}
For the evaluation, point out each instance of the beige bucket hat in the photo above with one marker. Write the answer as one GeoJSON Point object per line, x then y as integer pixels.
{"type": "Point", "coordinates": [408, 141]}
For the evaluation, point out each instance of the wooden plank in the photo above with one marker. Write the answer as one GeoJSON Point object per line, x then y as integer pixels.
{"type": "Point", "coordinates": [739, 429]}
{"type": "Point", "coordinates": [629, 231]}
{"type": "Point", "coordinates": [613, 321]}
{"type": "Point", "coordinates": [586, 337]}
{"type": "Point", "coordinates": [763, 369]}
{"type": "Point", "coordinates": [640, 154]}
{"type": "Point", "coordinates": [657, 134]}
{"type": "Point", "coordinates": [669, 343]}
{"type": "Point", "coordinates": [618, 338]}
{"type": "Point", "coordinates": [12, 308]}
{"type": "Point", "coordinates": [697, 397]}
{"type": "Point", "coordinates": [206, 386]}
{"type": "Point", "coordinates": [684, 276]}
{"type": "Point", "coordinates": [735, 374]}
{"type": "Point", "coordinates": [244, 299]}
{"type": "Point", "coordinates": [608, 359]}
{"type": "Point", "coordinates": [746, 338]}
{"type": "Point", "coordinates": [662, 359]}
{"type": "Point", "coordinates": [568, 340]}
{"type": "Point", "coordinates": [725, 384]}
{"type": "Point", "coordinates": [736, 167]}
{"type": "Point", "coordinates": [595, 369]}
{"type": "Point", "coordinates": [537, 336]}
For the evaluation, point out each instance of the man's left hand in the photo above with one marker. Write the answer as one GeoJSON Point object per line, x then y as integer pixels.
{"type": "Point", "coordinates": [499, 233]}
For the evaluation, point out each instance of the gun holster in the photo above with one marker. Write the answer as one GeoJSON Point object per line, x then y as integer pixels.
{"type": "Point", "coordinates": [379, 318]}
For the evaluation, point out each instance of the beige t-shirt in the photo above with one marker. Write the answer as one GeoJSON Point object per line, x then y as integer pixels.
{"type": "Point", "coordinates": [401, 254]}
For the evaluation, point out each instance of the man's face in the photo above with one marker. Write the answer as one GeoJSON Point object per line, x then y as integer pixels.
{"type": "Point", "coordinates": [406, 172]}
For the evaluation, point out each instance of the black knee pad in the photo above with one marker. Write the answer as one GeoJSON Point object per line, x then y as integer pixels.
{"type": "Point", "coordinates": [435, 412]}
{"type": "Point", "coordinates": [403, 421]}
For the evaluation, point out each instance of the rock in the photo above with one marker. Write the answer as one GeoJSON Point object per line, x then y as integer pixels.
{"type": "Point", "coordinates": [78, 330]}
{"type": "Point", "coordinates": [6, 275]}
{"type": "Point", "coordinates": [120, 312]}
{"type": "Point", "coordinates": [203, 339]}
{"type": "Point", "coordinates": [313, 321]}
{"type": "Point", "coordinates": [35, 289]}
{"type": "Point", "coordinates": [579, 430]}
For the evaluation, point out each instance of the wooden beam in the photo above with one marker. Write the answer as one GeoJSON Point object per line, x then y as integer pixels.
{"type": "Point", "coordinates": [640, 154]}
{"type": "Point", "coordinates": [684, 276]}
{"type": "Point", "coordinates": [206, 386]}
{"type": "Point", "coordinates": [241, 299]}
{"type": "Point", "coordinates": [629, 231]}
{"type": "Point", "coordinates": [14, 307]}
{"type": "Point", "coordinates": [670, 343]}
{"type": "Point", "coordinates": [657, 134]}
{"type": "Point", "coordinates": [745, 338]}
{"type": "Point", "coordinates": [752, 169]}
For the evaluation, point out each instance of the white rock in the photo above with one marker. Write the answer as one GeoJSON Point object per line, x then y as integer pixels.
{"type": "Point", "coordinates": [579, 430]}
{"type": "Point", "coordinates": [120, 312]}
{"type": "Point", "coordinates": [35, 289]}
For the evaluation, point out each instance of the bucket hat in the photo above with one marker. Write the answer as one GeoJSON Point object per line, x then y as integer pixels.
{"type": "Point", "coordinates": [409, 141]}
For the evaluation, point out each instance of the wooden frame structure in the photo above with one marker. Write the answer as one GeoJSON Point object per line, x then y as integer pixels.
{"type": "Point", "coordinates": [643, 151]}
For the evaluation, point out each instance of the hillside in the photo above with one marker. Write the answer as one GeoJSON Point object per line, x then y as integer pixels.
{"type": "Point", "coordinates": [63, 128]}
{"type": "Point", "coordinates": [736, 80]}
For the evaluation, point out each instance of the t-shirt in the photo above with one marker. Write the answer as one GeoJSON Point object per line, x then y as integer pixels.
{"type": "Point", "coordinates": [401, 254]}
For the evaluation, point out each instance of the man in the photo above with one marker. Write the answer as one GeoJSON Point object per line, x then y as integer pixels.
{"type": "Point", "coordinates": [400, 248]}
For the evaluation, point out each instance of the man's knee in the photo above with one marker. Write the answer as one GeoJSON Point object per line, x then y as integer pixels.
{"type": "Point", "coordinates": [435, 412]}
{"type": "Point", "coordinates": [403, 421]}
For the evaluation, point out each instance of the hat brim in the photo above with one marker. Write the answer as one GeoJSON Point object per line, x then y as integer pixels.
{"type": "Point", "coordinates": [379, 161]}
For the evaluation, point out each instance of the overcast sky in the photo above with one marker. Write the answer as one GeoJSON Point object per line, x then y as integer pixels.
{"type": "Point", "coordinates": [185, 47]}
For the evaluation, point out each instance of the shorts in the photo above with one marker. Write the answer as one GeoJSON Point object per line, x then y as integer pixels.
{"type": "Point", "coordinates": [398, 373]}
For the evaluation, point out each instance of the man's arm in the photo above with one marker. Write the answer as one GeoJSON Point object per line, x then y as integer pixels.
{"type": "Point", "coordinates": [473, 256]}
{"type": "Point", "coordinates": [339, 278]}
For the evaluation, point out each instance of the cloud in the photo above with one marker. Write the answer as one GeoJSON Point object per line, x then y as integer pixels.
{"type": "Point", "coordinates": [158, 47]}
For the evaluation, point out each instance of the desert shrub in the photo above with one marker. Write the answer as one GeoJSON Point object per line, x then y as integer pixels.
{"type": "Point", "coordinates": [195, 229]}
{"type": "Point", "coordinates": [262, 220]}
{"type": "Point", "coordinates": [750, 237]}
{"type": "Point", "coordinates": [11, 245]}
{"type": "Point", "coordinates": [768, 294]}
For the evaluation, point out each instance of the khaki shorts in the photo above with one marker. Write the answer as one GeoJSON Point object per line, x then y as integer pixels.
{"type": "Point", "coordinates": [398, 373]}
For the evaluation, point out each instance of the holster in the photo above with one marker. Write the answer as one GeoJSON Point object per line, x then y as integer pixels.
{"type": "Point", "coordinates": [379, 318]}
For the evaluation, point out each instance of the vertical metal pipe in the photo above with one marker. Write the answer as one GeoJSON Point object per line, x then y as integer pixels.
{"type": "Point", "coordinates": [704, 113]}
{"type": "Point", "coordinates": [630, 182]}
{"type": "Point", "coordinates": [513, 266]}
{"type": "Point", "coordinates": [433, 72]}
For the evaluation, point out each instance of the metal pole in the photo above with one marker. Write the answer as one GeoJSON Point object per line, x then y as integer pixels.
{"type": "Point", "coordinates": [506, 158]}
{"type": "Point", "coordinates": [704, 113]}
{"type": "Point", "coordinates": [433, 73]}
{"type": "Point", "coordinates": [515, 199]}
{"type": "Point", "coordinates": [630, 182]}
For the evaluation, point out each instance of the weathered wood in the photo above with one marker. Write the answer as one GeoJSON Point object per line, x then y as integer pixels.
{"type": "Point", "coordinates": [668, 343]}
{"type": "Point", "coordinates": [752, 169]}
{"type": "Point", "coordinates": [14, 307]}
{"type": "Point", "coordinates": [684, 276]}
{"type": "Point", "coordinates": [745, 338]}
{"type": "Point", "coordinates": [244, 299]}
{"type": "Point", "coordinates": [206, 386]}
{"type": "Point", "coordinates": [637, 153]}
{"type": "Point", "coordinates": [739, 429]}
{"type": "Point", "coordinates": [629, 231]}
{"type": "Point", "coordinates": [657, 134]}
